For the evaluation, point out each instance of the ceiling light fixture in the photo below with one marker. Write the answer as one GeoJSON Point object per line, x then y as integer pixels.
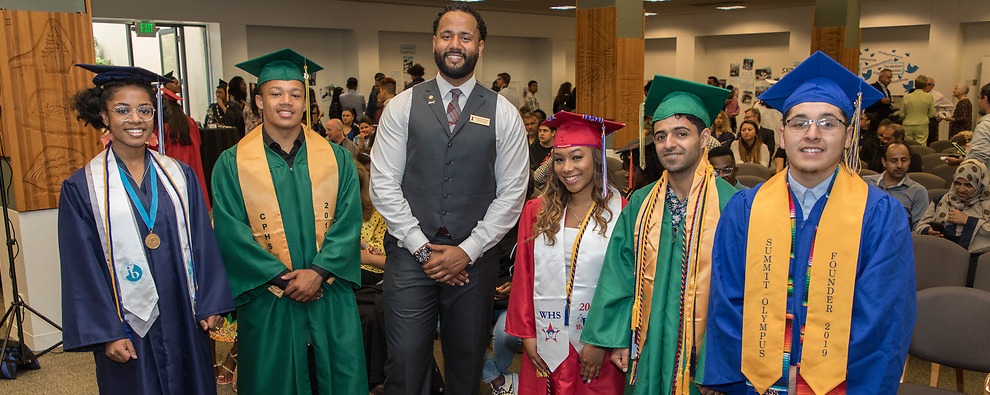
{"type": "Point", "coordinates": [730, 7]}
{"type": "Point", "coordinates": [468, 1]}
{"type": "Point", "coordinates": [563, 7]}
{"type": "Point", "coordinates": [656, 1]}
{"type": "Point", "coordinates": [650, 14]}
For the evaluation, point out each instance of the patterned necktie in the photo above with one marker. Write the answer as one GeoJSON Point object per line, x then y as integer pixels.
{"type": "Point", "coordinates": [454, 108]}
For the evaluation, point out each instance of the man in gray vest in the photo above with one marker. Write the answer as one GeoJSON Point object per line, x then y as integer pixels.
{"type": "Point", "coordinates": [448, 174]}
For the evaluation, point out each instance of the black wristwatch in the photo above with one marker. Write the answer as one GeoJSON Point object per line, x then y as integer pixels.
{"type": "Point", "coordinates": [422, 254]}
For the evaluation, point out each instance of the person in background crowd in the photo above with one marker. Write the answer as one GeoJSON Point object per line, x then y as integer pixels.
{"type": "Point", "coordinates": [917, 109]}
{"type": "Point", "coordinates": [749, 148]}
{"type": "Point", "coordinates": [335, 109]}
{"type": "Point", "coordinates": [142, 297]}
{"type": "Point", "coordinates": [182, 139]}
{"type": "Point", "coordinates": [724, 163]}
{"type": "Point", "coordinates": [252, 117]}
{"type": "Point", "coordinates": [415, 71]}
{"type": "Point", "coordinates": [962, 114]}
{"type": "Point", "coordinates": [962, 214]}
{"type": "Point", "coordinates": [563, 97]}
{"type": "Point", "coordinates": [353, 99]}
{"type": "Point", "coordinates": [508, 91]}
{"type": "Point", "coordinates": [721, 130]}
{"type": "Point", "coordinates": [366, 136]}
{"type": "Point", "coordinates": [214, 113]}
{"type": "Point", "coordinates": [895, 181]}
{"type": "Point", "coordinates": [234, 116]}
{"type": "Point", "coordinates": [885, 107]}
{"type": "Point", "coordinates": [348, 117]}
{"type": "Point", "coordinates": [766, 135]}
{"type": "Point", "coordinates": [373, 101]}
{"type": "Point", "coordinates": [335, 134]}
{"type": "Point", "coordinates": [979, 147]}
{"type": "Point", "coordinates": [732, 107]}
{"type": "Point", "coordinates": [530, 96]}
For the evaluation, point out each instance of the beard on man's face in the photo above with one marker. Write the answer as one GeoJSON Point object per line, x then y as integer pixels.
{"type": "Point", "coordinates": [455, 72]}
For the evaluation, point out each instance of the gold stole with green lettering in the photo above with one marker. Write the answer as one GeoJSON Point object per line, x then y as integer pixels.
{"type": "Point", "coordinates": [261, 202]}
{"type": "Point", "coordinates": [835, 256]}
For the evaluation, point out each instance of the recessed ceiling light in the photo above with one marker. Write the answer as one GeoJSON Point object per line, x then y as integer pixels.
{"type": "Point", "coordinates": [468, 1]}
{"type": "Point", "coordinates": [656, 1]}
{"type": "Point", "coordinates": [650, 14]}
{"type": "Point", "coordinates": [730, 7]}
{"type": "Point", "coordinates": [563, 7]}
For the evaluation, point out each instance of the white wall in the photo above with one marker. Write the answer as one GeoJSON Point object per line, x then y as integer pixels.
{"type": "Point", "coordinates": [362, 25]}
{"type": "Point", "coordinates": [660, 57]}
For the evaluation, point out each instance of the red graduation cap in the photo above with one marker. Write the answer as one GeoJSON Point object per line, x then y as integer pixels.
{"type": "Point", "coordinates": [575, 130]}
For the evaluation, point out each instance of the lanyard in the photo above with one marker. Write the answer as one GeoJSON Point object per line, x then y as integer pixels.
{"type": "Point", "coordinates": [149, 219]}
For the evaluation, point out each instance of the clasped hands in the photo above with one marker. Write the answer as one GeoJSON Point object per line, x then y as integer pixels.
{"type": "Point", "coordinates": [304, 285]}
{"type": "Point", "coordinates": [447, 264]}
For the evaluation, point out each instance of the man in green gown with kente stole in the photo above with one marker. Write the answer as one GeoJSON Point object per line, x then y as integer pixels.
{"type": "Point", "coordinates": [287, 213]}
{"type": "Point", "coordinates": [650, 306]}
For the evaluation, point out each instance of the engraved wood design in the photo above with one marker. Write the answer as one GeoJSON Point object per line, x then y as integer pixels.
{"type": "Point", "coordinates": [609, 71]}
{"type": "Point", "coordinates": [41, 136]}
{"type": "Point", "coordinates": [831, 41]}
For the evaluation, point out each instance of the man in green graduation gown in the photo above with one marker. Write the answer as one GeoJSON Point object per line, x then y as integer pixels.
{"type": "Point", "coordinates": [652, 297]}
{"type": "Point", "coordinates": [287, 212]}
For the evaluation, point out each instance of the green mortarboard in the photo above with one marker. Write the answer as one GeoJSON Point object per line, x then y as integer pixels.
{"type": "Point", "coordinates": [669, 96]}
{"type": "Point", "coordinates": [282, 65]}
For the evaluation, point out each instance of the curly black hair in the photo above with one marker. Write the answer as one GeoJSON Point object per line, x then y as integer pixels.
{"type": "Point", "coordinates": [482, 29]}
{"type": "Point", "coordinates": [89, 103]}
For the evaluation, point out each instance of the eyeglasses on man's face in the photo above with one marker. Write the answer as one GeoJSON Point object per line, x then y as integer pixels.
{"type": "Point", "coordinates": [827, 125]}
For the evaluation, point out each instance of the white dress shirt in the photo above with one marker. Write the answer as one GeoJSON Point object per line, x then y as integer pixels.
{"type": "Point", "coordinates": [388, 161]}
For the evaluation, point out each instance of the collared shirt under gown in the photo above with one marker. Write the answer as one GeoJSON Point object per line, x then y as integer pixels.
{"type": "Point", "coordinates": [610, 318]}
{"type": "Point", "coordinates": [883, 311]}
{"type": "Point", "coordinates": [175, 356]}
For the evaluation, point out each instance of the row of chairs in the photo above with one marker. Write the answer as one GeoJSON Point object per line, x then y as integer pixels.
{"type": "Point", "coordinates": [953, 320]}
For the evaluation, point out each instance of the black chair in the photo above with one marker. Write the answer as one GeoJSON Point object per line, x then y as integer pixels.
{"type": "Point", "coordinates": [948, 173]}
{"type": "Point", "coordinates": [982, 280]}
{"type": "Point", "coordinates": [940, 145]}
{"type": "Point", "coordinates": [750, 181]}
{"type": "Point", "coordinates": [952, 330]}
{"type": "Point", "coordinates": [928, 180]}
{"type": "Point", "coordinates": [754, 169]}
{"type": "Point", "coordinates": [920, 150]}
{"type": "Point", "coordinates": [930, 161]}
{"type": "Point", "coordinates": [939, 262]}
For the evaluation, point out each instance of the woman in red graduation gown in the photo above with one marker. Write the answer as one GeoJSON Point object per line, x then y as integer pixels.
{"type": "Point", "coordinates": [562, 240]}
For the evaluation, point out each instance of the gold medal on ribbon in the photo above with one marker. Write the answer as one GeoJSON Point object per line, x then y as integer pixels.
{"type": "Point", "coordinates": [152, 241]}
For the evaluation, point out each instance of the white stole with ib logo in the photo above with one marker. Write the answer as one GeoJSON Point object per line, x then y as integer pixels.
{"type": "Point", "coordinates": [553, 338]}
{"type": "Point", "coordinates": [138, 293]}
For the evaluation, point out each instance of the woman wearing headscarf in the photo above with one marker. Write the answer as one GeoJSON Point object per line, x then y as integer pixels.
{"type": "Point", "coordinates": [963, 214]}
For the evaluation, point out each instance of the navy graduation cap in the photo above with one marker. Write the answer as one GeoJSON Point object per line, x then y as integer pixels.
{"type": "Point", "coordinates": [105, 73]}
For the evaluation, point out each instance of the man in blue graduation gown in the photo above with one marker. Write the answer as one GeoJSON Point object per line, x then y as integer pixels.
{"type": "Point", "coordinates": [838, 318]}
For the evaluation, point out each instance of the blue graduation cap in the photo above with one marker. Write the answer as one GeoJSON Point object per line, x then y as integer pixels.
{"type": "Point", "coordinates": [821, 79]}
{"type": "Point", "coordinates": [106, 73]}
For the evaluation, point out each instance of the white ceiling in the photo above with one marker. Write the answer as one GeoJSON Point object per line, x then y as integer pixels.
{"type": "Point", "coordinates": [672, 7]}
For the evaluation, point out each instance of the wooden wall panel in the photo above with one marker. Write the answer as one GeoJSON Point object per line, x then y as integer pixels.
{"type": "Point", "coordinates": [831, 41]}
{"type": "Point", "coordinates": [609, 72]}
{"type": "Point", "coordinates": [41, 136]}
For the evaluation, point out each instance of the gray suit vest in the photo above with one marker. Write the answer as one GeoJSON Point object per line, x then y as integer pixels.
{"type": "Point", "coordinates": [449, 180]}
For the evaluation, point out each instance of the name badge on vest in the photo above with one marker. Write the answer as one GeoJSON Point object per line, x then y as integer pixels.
{"type": "Point", "coordinates": [480, 120]}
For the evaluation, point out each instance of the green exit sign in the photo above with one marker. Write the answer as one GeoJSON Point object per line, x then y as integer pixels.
{"type": "Point", "coordinates": [146, 29]}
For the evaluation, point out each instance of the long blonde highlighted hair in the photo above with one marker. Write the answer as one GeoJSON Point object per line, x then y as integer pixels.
{"type": "Point", "coordinates": [556, 196]}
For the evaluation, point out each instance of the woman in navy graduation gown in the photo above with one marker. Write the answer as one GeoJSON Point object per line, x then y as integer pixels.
{"type": "Point", "coordinates": [142, 279]}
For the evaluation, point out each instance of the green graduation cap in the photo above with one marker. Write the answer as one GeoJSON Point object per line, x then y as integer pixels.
{"type": "Point", "coordinates": [669, 96]}
{"type": "Point", "coordinates": [282, 65]}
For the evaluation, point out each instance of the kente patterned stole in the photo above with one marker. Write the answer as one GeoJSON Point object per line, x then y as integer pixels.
{"type": "Point", "coordinates": [830, 283]}
{"type": "Point", "coordinates": [261, 202]}
{"type": "Point", "coordinates": [696, 264]}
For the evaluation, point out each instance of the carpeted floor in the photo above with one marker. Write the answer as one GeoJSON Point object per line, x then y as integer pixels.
{"type": "Point", "coordinates": [72, 373]}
